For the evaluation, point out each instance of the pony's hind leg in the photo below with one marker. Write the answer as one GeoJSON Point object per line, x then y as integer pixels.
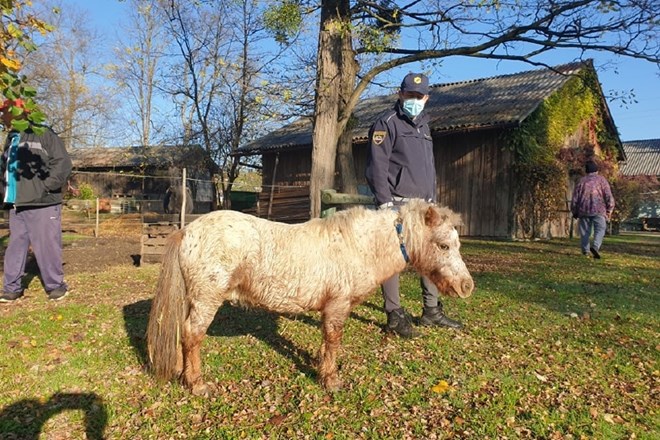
{"type": "Point", "coordinates": [334, 316]}
{"type": "Point", "coordinates": [194, 331]}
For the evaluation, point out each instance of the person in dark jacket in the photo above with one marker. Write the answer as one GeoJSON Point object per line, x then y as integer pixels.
{"type": "Point", "coordinates": [35, 168]}
{"type": "Point", "coordinates": [400, 166]}
{"type": "Point", "coordinates": [592, 203]}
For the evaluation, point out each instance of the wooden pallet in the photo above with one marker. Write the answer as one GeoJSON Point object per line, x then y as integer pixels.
{"type": "Point", "coordinates": [155, 229]}
{"type": "Point", "coordinates": [154, 236]}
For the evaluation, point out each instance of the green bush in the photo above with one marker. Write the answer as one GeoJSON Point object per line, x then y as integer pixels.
{"type": "Point", "coordinates": [86, 192]}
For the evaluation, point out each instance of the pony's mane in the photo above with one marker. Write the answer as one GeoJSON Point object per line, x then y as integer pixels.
{"type": "Point", "coordinates": [341, 220]}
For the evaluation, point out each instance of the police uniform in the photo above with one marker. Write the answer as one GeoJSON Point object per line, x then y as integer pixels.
{"type": "Point", "coordinates": [400, 162]}
{"type": "Point", "coordinates": [401, 166]}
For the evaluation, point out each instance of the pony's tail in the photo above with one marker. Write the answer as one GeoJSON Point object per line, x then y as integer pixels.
{"type": "Point", "coordinates": [169, 309]}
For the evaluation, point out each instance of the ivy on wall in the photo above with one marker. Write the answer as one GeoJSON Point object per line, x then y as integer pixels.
{"type": "Point", "coordinates": [540, 194]}
{"type": "Point", "coordinates": [542, 135]}
{"type": "Point", "coordinates": [541, 162]}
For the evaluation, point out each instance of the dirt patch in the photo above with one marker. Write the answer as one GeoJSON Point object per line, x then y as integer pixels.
{"type": "Point", "coordinates": [118, 244]}
{"type": "Point", "coordinates": [97, 254]}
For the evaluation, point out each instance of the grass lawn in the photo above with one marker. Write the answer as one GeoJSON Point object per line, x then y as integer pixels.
{"type": "Point", "coordinates": [556, 346]}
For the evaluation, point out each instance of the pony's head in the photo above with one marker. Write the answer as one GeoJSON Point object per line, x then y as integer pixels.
{"type": "Point", "coordinates": [432, 242]}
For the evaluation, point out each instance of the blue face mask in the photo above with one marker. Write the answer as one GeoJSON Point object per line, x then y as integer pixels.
{"type": "Point", "coordinates": [412, 107]}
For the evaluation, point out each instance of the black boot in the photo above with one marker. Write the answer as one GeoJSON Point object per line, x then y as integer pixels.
{"type": "Point", "coordinates": [400, 322]}
{"type": "Point", "coordinates": [435, 316]}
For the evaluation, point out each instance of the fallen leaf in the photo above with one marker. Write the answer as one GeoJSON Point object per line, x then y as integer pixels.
{"type": "Point", "coordinates": [277, 420]}
{"type": "Point", "coordinates": [440, 387]}
{"type": "Point", "coordinates": [609, 418]}
{"type": "Point", "coordinates": [540, 377]}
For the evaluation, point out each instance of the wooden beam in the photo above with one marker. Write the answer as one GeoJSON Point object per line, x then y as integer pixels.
{"type": "Point", "coordinates": [332, 197]}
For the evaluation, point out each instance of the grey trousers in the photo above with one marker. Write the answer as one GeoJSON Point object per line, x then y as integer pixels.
{"type": "Point", "coordinates": [40, 228]}
{"type": "Point", "coordinates": [391, 293]}
{"type": "Point", "coordinates": [596, 222]}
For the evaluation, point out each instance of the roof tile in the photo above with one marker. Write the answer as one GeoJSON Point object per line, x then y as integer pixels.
{"type": "Point", "coordinates": [642, 158]}
{"type": "Point", "coordinates": [467, 105]}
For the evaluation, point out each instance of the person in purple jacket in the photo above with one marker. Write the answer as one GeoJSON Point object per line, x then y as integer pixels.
{"type": "Point", "coordinates": [35, 167]}
{"type": "Point", "coordinates": [592, 203]}
{"type": "Point", "coordinates": [400, 166]}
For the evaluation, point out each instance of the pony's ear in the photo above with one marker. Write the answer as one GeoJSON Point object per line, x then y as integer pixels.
{"type": "Point", "coordinates": [433, 217]}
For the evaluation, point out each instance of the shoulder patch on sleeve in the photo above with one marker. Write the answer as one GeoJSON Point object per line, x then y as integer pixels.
{"type": "Point", "coordinates": [378, 137]}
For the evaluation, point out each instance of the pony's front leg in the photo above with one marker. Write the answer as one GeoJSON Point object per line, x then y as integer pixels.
{"type": "Point", "coordinates": [334, 316]}
{"type": "Point", "coordinates": [194, 331]}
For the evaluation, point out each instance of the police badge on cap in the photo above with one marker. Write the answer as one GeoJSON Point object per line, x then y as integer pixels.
{"type": "Point", "coordinates": [415, 82]}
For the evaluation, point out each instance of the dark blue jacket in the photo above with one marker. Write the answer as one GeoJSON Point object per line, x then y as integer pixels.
{"type": "Point", "coordinates": [43, 169]}
{"type": "Point", "coordinates": [400, 159]}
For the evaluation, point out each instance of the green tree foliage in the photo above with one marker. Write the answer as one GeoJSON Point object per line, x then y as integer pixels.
{"type": "Point", "coordinates": [86, 192]}
{"type": "Point", "coordinates": [542, 135]}
{"type": "Point", "coordinates": [284, 20]}
{"type": "Point", "coordinates": [15, 28]}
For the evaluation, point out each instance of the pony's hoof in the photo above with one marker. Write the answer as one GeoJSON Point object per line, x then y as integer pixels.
{"type": "Point", "coordinates": [200, 389]}
{"type": "Point", "coordinates": [332, 384]}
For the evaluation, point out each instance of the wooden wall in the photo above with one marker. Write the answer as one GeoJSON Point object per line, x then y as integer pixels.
{"type": "Point", "coordinates": [474, 179]}
{"type": "Point", "coordinates": [285, 187]}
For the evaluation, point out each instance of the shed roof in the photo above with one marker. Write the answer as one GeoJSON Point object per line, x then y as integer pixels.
{"type": "Point", "coordinates": [642, 158]}
{"type": "Point", "coordinates": [136, 157]}
{"type": "Point", "coordinates": [498, 101]}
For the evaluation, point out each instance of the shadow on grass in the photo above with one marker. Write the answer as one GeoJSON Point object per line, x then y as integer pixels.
{"type": "Point", "coordinates": [136, 316]}
{"type": "Point", "coordinates": [25, 418]}
{"type": "Point", "coordinates": [31, 267]}
{"type": "Point", "coordinates": [623, 245]}
{"type": "Point", "coordinates": [230, 321]}
{"type": "Point", "coordinates": [237, 321]}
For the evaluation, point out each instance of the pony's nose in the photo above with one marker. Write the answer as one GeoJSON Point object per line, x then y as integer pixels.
{"type": "Point", "coordinates": [467, 287]}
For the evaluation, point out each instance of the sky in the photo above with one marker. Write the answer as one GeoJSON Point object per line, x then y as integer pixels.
{"type": "Point", "coordinates": [636, 121]}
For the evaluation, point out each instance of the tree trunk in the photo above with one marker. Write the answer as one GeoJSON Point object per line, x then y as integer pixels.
{"type": "Point", "coordinates": [346, 162]}
{"type": "Point", "coordinates": [328, 84]}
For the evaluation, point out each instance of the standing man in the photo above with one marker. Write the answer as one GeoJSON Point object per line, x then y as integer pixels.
{"type": "Point", "coordinates": [35, 168]}
{"type": "Point", "coordinates": [592, 203]}
{"type": "Point", "coordinates": [400, 166]}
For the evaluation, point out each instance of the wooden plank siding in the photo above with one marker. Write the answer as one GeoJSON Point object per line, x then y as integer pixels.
{"type": "Point", "coordinates": [285, 182]}
{"type": "Point", "coordinates": [474, 179]}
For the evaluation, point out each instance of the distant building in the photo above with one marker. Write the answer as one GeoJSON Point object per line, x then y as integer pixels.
{"type": "Point", "coordinates": [144, 173]}
{"type": "Point", "coordinates": [643, 160]}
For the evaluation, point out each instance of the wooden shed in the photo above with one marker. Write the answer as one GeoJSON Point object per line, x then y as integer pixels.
{"type": "Point", "coordinates": [469, 121]}
{"type": "Point", "coordinates": [144, 173]}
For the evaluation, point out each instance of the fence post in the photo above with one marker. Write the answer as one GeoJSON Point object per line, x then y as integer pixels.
{"type": "Point", "coordinates": [183, 199]}
{"type": "Point", "coordinates": [330, 199]}
{"type": "Point", "coordinates": [96, 229]}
